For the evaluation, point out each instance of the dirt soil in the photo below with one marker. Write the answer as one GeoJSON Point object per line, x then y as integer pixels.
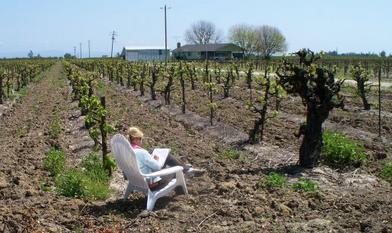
{"type": "Point", "coordinates": [228, 197]}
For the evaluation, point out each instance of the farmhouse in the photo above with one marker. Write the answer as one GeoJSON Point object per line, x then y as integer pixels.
{"type": "Point", "coordinates": [144, 53]}
{"type": "Point", "coordinates": [222, 51]}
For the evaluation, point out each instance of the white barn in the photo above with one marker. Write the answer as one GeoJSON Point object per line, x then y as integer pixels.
{"type": "Point", "coordinates": [144, 53]}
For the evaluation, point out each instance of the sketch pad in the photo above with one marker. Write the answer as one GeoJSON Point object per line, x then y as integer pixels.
{"type": "Point", "coordinates": [162, 153]}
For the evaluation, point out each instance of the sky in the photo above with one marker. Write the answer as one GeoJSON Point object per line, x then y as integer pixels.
{"type": "Point", "coordinates": [55, 27]}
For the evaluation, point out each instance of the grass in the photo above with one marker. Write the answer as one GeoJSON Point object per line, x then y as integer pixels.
{"type": "Point", "coordinates": [44, 186]}
{"type": "Point", "coordinates": [21, 131]}
{"type": "Point", "coordinates": [386, 172]}
{"type": "Point", "coordinates": [232, 155]}
{"type": "Point", "coordinates": [275, 180]}
{"type": "Point", "coordinates": [91, 181]}
{"type": "Point", "coordinates": [54, 161]}
{"type": "Point", "coordinates": [55, 127]}
{"type": "Point", "coordinates": [339, 151]}
{"type": "Point", "coordinates": [305, 185]}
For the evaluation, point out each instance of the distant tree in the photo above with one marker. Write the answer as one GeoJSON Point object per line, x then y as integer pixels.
{"type": "Point", "coordinates": [269, 40]}
{"type": "Point", "coordinates": [244, 36]}
{"type": "Point", "coordinates": [383, 54]}
{"type": "Point", "coordinates": [202, 32]}
{"type": "Point", "coordinates": [68, 56]}
{"type": "Point", "coordinates": [30, 54]}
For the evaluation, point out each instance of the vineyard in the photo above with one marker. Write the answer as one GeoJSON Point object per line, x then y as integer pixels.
{"type": "Point", "coordinates": [290, 144]}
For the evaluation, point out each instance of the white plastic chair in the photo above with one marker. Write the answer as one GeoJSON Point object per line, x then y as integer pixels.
{"type": "Point", "coordinates": [126, 160]}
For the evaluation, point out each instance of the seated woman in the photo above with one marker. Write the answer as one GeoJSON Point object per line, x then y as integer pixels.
{"type": "Point", "coordinates": [148, 163]}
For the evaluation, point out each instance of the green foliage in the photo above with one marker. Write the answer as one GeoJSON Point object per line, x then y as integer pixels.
{"type": "Point", "coordinates": [55, 127]}
{"type": "Point", "coordinates": [305, 185]}
{"type": "Point", "coordinates": [340, 151]}
{"type": "Point", "coordinates": [232, 155]}
{"type": "Point", "coordinates": [386, 172]}
{"type": "Point", "coordinates": [70, 183]}
{"type": "Point", "coordinates": [275, 180]}
{"type": "Point", "coordinates": [90, 182]}
{"type": "Point", "coordinates": [44, 186]}
{"type": "Point", "coordinates": [93, 168]}
{"type": "Point", "coordinates": [54, 161]}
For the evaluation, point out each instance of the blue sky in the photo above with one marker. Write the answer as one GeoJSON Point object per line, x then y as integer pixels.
{"type": "Point", "coordinates": [53, 27]}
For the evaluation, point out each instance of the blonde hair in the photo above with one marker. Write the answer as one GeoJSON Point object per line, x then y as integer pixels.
{"type": "Point", "coordinates": [134, 132]}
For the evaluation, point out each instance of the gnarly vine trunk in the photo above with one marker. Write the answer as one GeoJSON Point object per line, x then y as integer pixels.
{"type": "Point", "coordinates": [362, 93]}
{"type": "Point", "coordinates": [154, 79]}
{"type": "Point", "coordinates": [312, 142]}
{"type": "Point", "coordinates": [257, 133]}
{"type": "Point", "coordinates": [254, 134]}
{"type": "Point", "coordinates": [104, 139]}
{"type": "Point", "coordinates": [182, 82]}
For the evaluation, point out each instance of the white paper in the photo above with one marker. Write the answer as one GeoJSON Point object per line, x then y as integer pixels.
{"type": "Point", "coordinates": [162, 153]}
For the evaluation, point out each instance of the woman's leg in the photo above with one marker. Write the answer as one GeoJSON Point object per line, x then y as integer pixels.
{"type": "Point", "coordinates": [172, 161]}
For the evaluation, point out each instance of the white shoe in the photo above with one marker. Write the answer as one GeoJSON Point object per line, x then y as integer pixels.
{"type": "Point", "coordinates": [195, 172]}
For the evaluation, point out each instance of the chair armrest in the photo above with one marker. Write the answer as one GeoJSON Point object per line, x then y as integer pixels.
{"type": "Point", "coordinates": [165, 171]}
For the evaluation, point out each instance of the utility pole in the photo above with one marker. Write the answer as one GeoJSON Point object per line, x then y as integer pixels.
{"type": "Point", "coordinates": [113, 38]}
{"type": "Point", "coordinates": [88, 48]}
{"type": "Point", "coordinates": [166, 53]}
{"type": "Point", "coordinates": [75, 51]}
{"type": "Point", "coordinates": [80, 45]}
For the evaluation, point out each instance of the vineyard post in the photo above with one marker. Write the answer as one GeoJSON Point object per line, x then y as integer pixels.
{"type": "Point", "coordinates": [379, 102]}
{"type": "Point", "coordinates": [1, 87]}
{"type": "Point", "coordinates": [103, 138]}
{"type": "Point", "coordinates": [8, 83]}
{"type": "Point", "coordinates": [182, 82]}
{"type": "Point", "coordinates": [210, 96]}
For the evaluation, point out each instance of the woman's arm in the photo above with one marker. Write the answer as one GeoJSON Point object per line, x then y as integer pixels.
{"type": "Point", "coordinates": [149, 161]}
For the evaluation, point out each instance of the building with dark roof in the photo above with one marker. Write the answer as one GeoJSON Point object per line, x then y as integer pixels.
{"type": "Point", "coordinates": [224, 51]}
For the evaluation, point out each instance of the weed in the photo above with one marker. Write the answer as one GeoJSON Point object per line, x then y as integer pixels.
{"type": "Point", "coordinates": [90, 182]}
{"type": "Point", "coordinates": [55, 127]}
{"type": "Point", "coordinates": [23, 91]}
{"type": "Point", "coordinates": [305, 185]}
{"type": "Point", "coordinates": [93, 168]}
{"type": "Point", "coordinates": [21, 131]}
{"type": "Point", "coordinates": [232, 155]}
{"type": "Point", "coordinates": [44, 186]}
{"type": "Point", "coordinates": [54, 161]}
{"type": "Point", "coordinates": [275, 180]}
{"type": "Point", "coordinates": [386, 172]}
{"type": "Point", "coordinates": [340, 151]}
{"type": "Point", "coordinates": [70, 183]}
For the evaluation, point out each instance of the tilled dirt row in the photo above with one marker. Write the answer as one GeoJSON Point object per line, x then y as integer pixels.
{"type": "Point", "coordinates": [229, 197]}
{"type": "Point", "coordinates": [24, 141]}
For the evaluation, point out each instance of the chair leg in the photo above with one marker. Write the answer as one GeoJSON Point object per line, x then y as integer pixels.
{"type": "Point", "coordinates": [150, 202]}
{"type": "Point", "coordinates": [181, 181]}
{"type": "Point", "coordinates": [128, 191]}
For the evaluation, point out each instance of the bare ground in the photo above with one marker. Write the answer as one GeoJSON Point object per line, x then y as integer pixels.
{"type": "Point", "coordinates": [228, 198]}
